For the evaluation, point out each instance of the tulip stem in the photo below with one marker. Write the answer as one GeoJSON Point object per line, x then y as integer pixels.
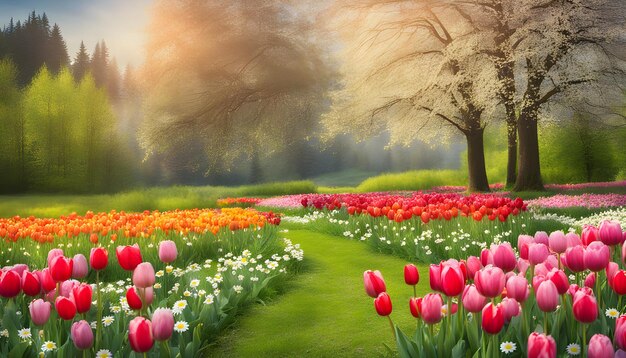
{"type": "Point", "coordinates": [99, 313]}
{"type": "Point", "coordinates": [619, 303]}
{"type": "Point", "coordinates": [598, 288]}
{"type": "Point", "coordinates": [545, 319]}
{"type": "Point", "coordinates": [393, 329]}
{"type": "Point", "coordinates": [584, 340]}
{"type": "Point", "coordinates": [414, 291]}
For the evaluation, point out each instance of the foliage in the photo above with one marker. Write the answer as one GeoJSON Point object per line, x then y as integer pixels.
{"type": "Point", "coordinates": [413, 180]}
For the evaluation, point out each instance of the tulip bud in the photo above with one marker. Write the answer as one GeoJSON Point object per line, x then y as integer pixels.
{"type": "Point", "coordinates": [431, 308]}
{"type": "Point", "coordinates": [39, 311]}
{"type": "Point", "coordinates": [98, 258]}
{"type": "Point", "coordinates": [434, 272]}
{"type": "Point", "coordinates": [61, 268]}
{"type": "Point", "coordinates": [559, 278]}
{"type": "Point", "coordinates": [490, 281]}
{"type": "Point", "coordinates": [52, 254]}
{"type": "Point", "coordinates": [589, 234]}
{"type": "Point", "coordinates": [597, 256]}
{"type": "Point", "coordinates": [79, 267]}
{"type": "Point", "coordinates": [523, 241]}
{"type": "Point", "coordinates": [30, 283]}
{"type": "Point", "coordinates": [557, 242]}
{"type": "Point", "coordinates": [167, 251]}
{"type": "Point", "coordinates": [128, 256]}
{"type": "Point", "coordinates": [504, 257]}
{"type": "Point", "coordinates": [10, 284]}
{"type": "Point", "coordinates": [374, 283]}
{"type": "Point", "coordinates": [537, 253]}
{"type": "Point", "coordinates": [143, 276]}
{"type": "Point", "coordinates": [575, 259]}
{"type": "Point", "coordinates": [573, 239]}
{"type": "Point", "coordinates": [82, 335]}
{"type": "Point", "coordinates": [600, 346]}
{"type": "Point", "coordinates": [492, 318]}
{"type": "Point", "coordinates": [472, 300]}
{"type": "Point", "coordinates": [541, 346]}
{"type": "Point", "coordinates": [65, 308]}
{"type": "Point", "coordinates": [510, 308]}
{"type": "Point", "coordinates": [619, 282]}
{"type": "Point", "coordinates": [162, 324]}
{"type": "Point", "coordinates": [452, 280]}
{"type": "Point", "coordinates": [541, 237]}
{"type": "Point", "coordinates": [517, 288]}
{"type": "Point", "coordinates": [411, 275]}
{"type": "Point", "coordinates": [585, 307]}
{"type": "Point", "coordinates": [547, 296]}
{"type": "Point", "coordinates": [82, 295]}
{"type": "Point", "coordinates": [610, 232]}
{"type": "Point", "coordinates": [140, 335]}
{"type": "Point", "coordinates": [382, 303]}
{"type": "Point", "coordinates": [414, 306]}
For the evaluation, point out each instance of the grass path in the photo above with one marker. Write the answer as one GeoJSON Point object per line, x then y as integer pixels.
{"type": "Point", "coordinates": [325, 312]}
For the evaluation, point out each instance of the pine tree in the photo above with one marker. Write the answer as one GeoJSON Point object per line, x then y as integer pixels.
{"type": "Point", "coordinates": [99, 64]}
{"type": "Point", "coordinates": [113, 80]}
{"type": "Point", "coordinates": [81, 63]}
{"type": "Point", "coordinates": [56, 56]}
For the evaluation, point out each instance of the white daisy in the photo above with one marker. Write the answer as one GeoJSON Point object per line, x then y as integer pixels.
{"type": "Point", "coordinates": [104, 353]}
{"type": "Point", "coordinates": [48, 346]}
{"type": "Point", "coordinates": [179, 306]}
{"type": "Point", "coordinates": [507, 347]}
{"type": "Point", "coordinates": [24, 333]}
{"type": "Point", "coordinates": [107, 320]}
{"type": "Point", "coordinates": [573, 349]}
{"type": "Point", "coordinates": [4, 333]}
{"type": "Point", "coordinates": [611, 313]}
{"type": "Point", "coordinates": [116, 309]}
{"type": "Point", "coordinates": [194, 283]}
{"type": "Point", "coordinates": [208, 300]}
{"type": "Point", "coordinates": [181, 326]}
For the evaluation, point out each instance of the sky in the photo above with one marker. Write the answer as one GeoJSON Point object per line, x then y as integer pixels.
{"type": "Point", "coordinates": [121, 23]}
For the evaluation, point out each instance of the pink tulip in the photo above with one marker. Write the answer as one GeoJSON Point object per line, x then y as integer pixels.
{"type": "Point", "coordinates": [517, 288]}
{"type": "Point", "coordinates": [541, 270]}
{"type": "Point", "coordinates": [39, 311]}
{"type": "Point", "coordinates": [589, 234]}
{"type": "Point", "coordinates": [559, 278]}
{"type": "Point", "coordinates": [82, 335]}
{"type": "Point", "coordinates": [473, 265]}
{"type": "Point", "coordinates": [541, 237]}
{"type": "Point", "coordinates": [490, 281]}
{"type": "Point", "coordinates": [573, 239]}
{"type": "Point", "coordinates": [434, 273]}
{"type": "Point", "coordinates": [537, 253]}
{"type": "Point", "coordinates": [600, 346]}
{"type": "Point", "coordinates": [140, 334]}
{"type": "Point", "coordinates": [473, 301]}
{"type": "Point", "coordinates": [167, 252]}
{"type": "Point", "coordinates": [585, 307]}
{"type": "Point", "coordinates": [504, 257]}
{"type": "Point", "coordinates": [67, 287]}
{"type": "Point", "coordinates": [590, 280]}
{"type": "Point", "coordinates": [510, 308]}
{"type": "Point", "coordinates": [143, 276]}
{"type": "Point", "coordinates": [557, 242]}
{"type": "Point", "coordinates": [541, 346]}
{"type": "Point", "coordinates": [575, 259]}
{"type": "Point", "coordinates": [611, 270]}
{"type": "Point", "coordinates": [79, 269]}
{"type": "Point", "coordinates": [374, 283]}
{"type": "Point", "coordinates": [610, 232]}
{"type": "Point", "coordinates": [486, 257]}
{"type": "Point", "coordinates": [620, 332]}
{"type": "Point", "coordinates": [19, 268]}
{"type": "Point", "coordinates": [431, 308]}
{"type": "Point", "coordinates": [620, 354]}
{"type": "Point", "coordinates": [547, 296]}
{"type": "Point", "coordinates": [624, 253]}
{"type": "Point", "coordinates": [523, 241]}
{"type": "Point", "coordinates": [537, 280]}
{"type": "Point", "coordinates": [522, 266]}
{"type": "Point", "coordinates": [597, 256]}
{"type": "Point", "coordinates": [162, 324]}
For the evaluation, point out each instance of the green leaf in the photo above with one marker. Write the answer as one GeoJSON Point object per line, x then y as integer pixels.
{"type": "Point", "coordinates": [459, 350]}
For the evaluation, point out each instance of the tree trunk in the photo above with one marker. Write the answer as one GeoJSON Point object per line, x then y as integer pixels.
{"type": "Point", "coordinates": [476, 161]}
{"type": "Point", "coordinates": [511, 167]}
{"type": "Point", "coordinates": [529, 169]}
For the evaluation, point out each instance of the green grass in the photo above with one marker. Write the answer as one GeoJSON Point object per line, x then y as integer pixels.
{"type": "Point", "coordinates": [344, 178]}
{"type": "Point", "coordinates": [325, 312]}
{"type": "Point", "coordinates": [162, 198]}
{"type": "Point", "coordinates": [413, 180]}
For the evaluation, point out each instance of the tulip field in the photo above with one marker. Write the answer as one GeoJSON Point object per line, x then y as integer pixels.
{"type": "Point", "coordinates": [485, 275]}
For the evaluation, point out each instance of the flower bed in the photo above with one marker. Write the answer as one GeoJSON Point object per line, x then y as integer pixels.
{"type": "Point", "coordinates": [238, 201]}
{"type": "Point", "coordinates": [583, 200]}
{"type": "Point", "coordinates": [64, 309]}
{"type": "Point", "coordinates": [610, 184]}
{"type": "Point", "coordinates": [559, 295]}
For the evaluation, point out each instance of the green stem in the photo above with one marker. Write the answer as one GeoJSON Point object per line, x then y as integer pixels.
{"type": "Point", "coordinates": [545, 319]}
{"type": "Point", "coordinates": [619, 304]}
{"type": "Point", "coordinates": [414, 291]}
{"type": "Point", "coordinates": [393, 329]}
{"type": "Point", "coordinates": [584, 352]}
{"type": "Point", "coordinates": [99, 313]}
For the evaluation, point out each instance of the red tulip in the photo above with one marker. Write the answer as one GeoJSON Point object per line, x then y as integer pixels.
{"type": "Point", "coordinates": [382, 303]}
{"type": "Point", "coordinates": [411, 275]}
{"type": "Point", "coordinates": [10, 284]}
{"type": "Point", "coordinates": [589, 234]}
{"type": "Point", "coordinates": [162, 324]}
{"type": "Point", "coordinates": [493, 318]}
{"type": "Point", "coordinates": [82, 295]}
{"type": "Point", "coordinates": [559, 278]}
{"type": "Point", "coordinates": [167, 251]}
{"type": "Point", "coordinates": [61, 268]}
{"type": "Point", "coordinates": [46, 280]}
{"type": "Point", "coordinates": [490, 281]}
{"type": "Point", "coordinates": [472, 300]}
{"type": "Point", "coordinates": [547, 296]}
{"type": "Point", "coordinates": [541, 346]}
{"type": "Point", "coordinates": [504, 257]}
{"type": "Point", "coordinates": [128, 256]}
{"type": "Point", "coordinates": [611, 270]}
{"type": "Point", "coordinates": [517, 288]}
{"type": "Point", "coordinates": [585, 307]}
{"type": "Point", "coordinates": [65, 308]}
{"type": "Point", "coordinates": [600, 346]}
{"type": "Point", "coordinates": [140, 335]}
{"type": "Point", "coordinates": [610, 232]}
{"type": "Point", "coordinates": [619, 282]}
{"type": "Point", "coordinates": [39, 311]}
{"type": "Point", "coordinates": [374, 283]}
{"type": "Point", "coordinates": [52, 254]}
{"type": "Point", "coordinates": [98, 258]}
{"type": "Point", "coordinates": [414, 306]}
{"type": "Point", "coordinates": [434, 272]}
{"type": "Point", "coordinates": [452, 280]}
{"type": "Point", "coordinates": [30, 283]}
{"type": "Point", "coordinates": [133, 299]}
{"type": "Point", "coordinates": [82, 335]}
{"type": "Point", "coordinates": [537, 253]}
{"type": "Point", "coordinates": [597, 256]}
{"type": "Point", "coordinates": [430, 308]}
